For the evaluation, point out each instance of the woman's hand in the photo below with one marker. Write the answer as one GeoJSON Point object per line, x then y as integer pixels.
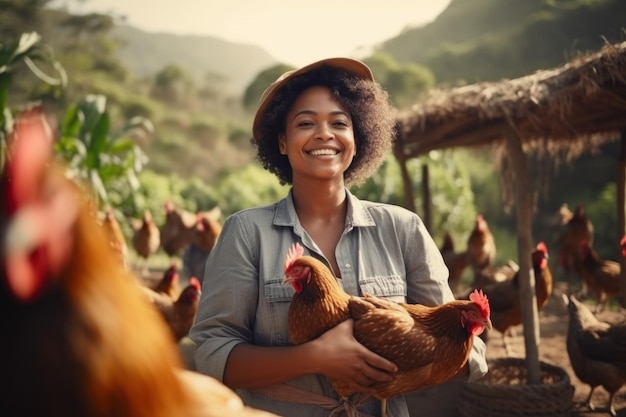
{"type": "Point", "coordinates": [342, 357]}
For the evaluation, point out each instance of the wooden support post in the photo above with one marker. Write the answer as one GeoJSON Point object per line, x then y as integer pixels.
{"type": "Point", "coordinates": [523, 209]}
{"type": "Point", "coordinates": [426, 198]}
{"type": "Point", "coordinates": [409, 199]}
{"type": "Point", "coordinates": [621, 207]}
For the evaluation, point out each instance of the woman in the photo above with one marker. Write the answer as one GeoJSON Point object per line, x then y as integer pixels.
{"type": "Point", "coordinates": [320, 128]}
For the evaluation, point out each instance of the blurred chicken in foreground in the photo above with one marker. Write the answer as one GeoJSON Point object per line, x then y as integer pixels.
{"type": "Point", "coordinates": [78, 338]}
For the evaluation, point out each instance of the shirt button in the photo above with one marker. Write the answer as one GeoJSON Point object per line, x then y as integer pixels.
{"type": "Point", "coordinates": [348, 265]}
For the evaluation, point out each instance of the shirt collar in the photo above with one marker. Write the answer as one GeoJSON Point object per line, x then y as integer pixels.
{"type": "Point", "coordinates": [358, 215]}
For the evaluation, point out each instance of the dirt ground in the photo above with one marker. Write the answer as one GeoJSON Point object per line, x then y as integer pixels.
{"type": "Point", "coordinates": [553, 319]}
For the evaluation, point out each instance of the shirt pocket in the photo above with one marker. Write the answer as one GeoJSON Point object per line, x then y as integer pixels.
{"type": "Point", "coordinates": [276, 291]}
{"type": "Point", "coordinates": [385, 286]}
{"type": "Point", "coordinates": [278, 298]}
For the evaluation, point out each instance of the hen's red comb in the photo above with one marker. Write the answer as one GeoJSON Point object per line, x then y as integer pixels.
{"type": "Point", "coordinates": [295, 251]}
{"type": "Point", "coordinates": [30, 150]}
{"type": "Point", "coordinates": [480, 298]}
{"type": "Point", "coordinates": [37, 241]}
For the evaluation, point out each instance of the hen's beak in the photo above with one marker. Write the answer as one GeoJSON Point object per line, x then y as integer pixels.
{"type": "Point", "coordinates": [287, 279]}
{"type": "Point", "coordinates": [488, 325]}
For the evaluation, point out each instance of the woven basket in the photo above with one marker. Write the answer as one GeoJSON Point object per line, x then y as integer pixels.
{"type": "Point", "coordinates": [504, 392]}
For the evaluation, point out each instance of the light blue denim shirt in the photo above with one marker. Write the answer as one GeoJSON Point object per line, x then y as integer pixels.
{"type": "Point", "coordinates": [384, 250]}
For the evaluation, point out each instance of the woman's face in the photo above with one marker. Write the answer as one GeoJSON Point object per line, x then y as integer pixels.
{"type": "Point", "coordinates": [318, 138]}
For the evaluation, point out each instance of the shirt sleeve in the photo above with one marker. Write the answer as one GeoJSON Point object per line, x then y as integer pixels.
{"type": "Point", "coordinates": [228, 302]}
{"type": "Point", "coordinates": [427, 283]}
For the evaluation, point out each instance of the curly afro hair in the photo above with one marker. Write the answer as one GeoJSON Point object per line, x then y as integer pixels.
{"type": "Point", "coordinates": [373, 119]}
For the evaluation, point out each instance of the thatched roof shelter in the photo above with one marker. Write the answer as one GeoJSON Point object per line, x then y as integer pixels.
{"type": "Point", "coordinates": [571, 108]}
{"type": "Point", "coordinates": [579, 103]}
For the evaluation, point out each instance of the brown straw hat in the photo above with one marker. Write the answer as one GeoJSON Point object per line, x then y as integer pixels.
{"type": "Point", "coordinates": [353, 66]}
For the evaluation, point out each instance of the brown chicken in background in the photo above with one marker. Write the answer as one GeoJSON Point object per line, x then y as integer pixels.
{"type": "Point", "coordinates": [177, 230]}
{"type": "Point", "coordinates": [495, 273]}
{"type": "Point", "coordinates": [504, 297]}
{"type": "Point", "coordinates": [206, 232]}
{"type": "Point", "coordinates": [169, 284]}
{"type": "Point", "coordinates": [178, 312]}
{"type": "Point", "coordinates": [578, 229]}
{"type": "Point", "coordinates": [597, 352]}
{"type": "Point", "coordinates": [429, 345]}
{"type": "Point", "coordinates": [115, 234]}
{"type": "Point", "coordinates": [78, 338]}
{"type": "Point", "coordinates": [146, 238]}
{"type": "Point", "coordinates": [565, 214]}
{"type": "Point", "coordinates": [456, 262]}
{"type": "Point", "coordinates": [481, 245]}
{"type": "Point", "coordinates": [602, 277]}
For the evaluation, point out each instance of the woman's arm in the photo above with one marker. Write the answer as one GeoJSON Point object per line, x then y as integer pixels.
{"type": "Point", "coordinates": [335, 354]}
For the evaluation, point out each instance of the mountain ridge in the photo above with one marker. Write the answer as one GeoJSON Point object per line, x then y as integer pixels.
{"type": "Point", "coordinates": [236, 64]}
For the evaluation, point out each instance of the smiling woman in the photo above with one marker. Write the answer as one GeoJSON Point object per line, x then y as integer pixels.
{"type": "Point", "coordinates": [293, 32]}
{"type": "Point", "coordinates": [320, 129]}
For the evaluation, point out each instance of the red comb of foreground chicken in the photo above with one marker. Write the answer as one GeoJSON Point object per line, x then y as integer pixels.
{"type": "Point", "coordinates": [78, 338]}
{"type": "Point", "coordinates": [429, 345]}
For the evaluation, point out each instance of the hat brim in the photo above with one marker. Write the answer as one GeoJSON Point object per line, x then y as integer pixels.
{"type": "Point", "coordinates": [353, 66]}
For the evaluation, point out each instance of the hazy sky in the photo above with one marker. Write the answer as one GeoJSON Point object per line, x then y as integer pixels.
{"type": "Point", "coordinates": [292, 31]}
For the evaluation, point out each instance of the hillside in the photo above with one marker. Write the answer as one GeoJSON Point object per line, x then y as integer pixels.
{"type": "Point", "coordinates": [486, 40]}
{"type": "Point", "coordinates": [146, 53]}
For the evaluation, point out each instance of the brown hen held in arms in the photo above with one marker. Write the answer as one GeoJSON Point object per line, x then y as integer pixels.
{"type": "Point", "coordinates": [429, 345]}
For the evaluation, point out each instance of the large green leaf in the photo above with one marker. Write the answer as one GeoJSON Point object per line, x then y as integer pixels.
{"type": "Point", "coordinates": [107, 162]}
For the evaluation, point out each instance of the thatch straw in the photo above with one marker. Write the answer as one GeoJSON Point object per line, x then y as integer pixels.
{"type": "Point", "coordinates": [557, 112]}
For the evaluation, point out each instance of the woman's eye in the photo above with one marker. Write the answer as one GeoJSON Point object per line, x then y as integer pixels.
{"type": "Point", "coordinates": [305, 123]}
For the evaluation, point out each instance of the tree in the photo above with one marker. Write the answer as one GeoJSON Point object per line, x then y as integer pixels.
{"type": "Point", "coordinates": [253, 92]}
{"type": "Point", "coordinates": [20, 16]}
{"type": "Point", "coordinates": [403, 82]}
{"type": "Point", "coordinates": [171, 84]}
